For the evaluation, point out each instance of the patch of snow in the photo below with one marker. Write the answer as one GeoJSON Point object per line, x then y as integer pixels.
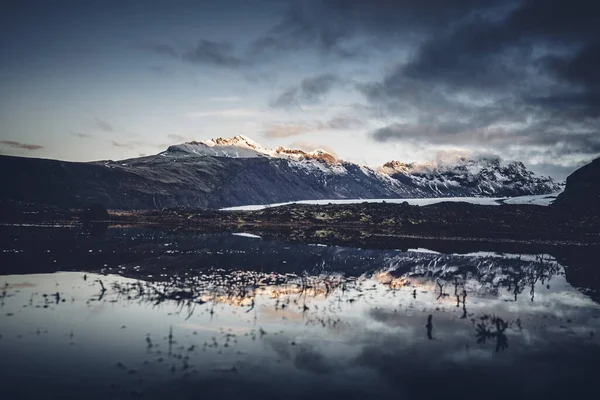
{"type": "Point", "coordinates": [248, 235]}
{"type": "Point", "coordinates": [316, 166]}
{"type": "Point", "coordinates": [417, 202]}
{"type": "Point", "coordinates": [422, 250]}
{"type": "Point", "coordinates": [542, 200]}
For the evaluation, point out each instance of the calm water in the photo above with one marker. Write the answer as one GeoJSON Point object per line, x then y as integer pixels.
{"type": "Point", "coordinates": [130, 313]}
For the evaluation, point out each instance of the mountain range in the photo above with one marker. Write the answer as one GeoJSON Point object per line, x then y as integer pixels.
{"type": "Point", "coordinates": [237, 171]}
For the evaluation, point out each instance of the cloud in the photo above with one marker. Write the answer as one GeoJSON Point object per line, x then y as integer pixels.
{"type": "Point", "coordinates": [231, 113]}
{"type": "Point", "coordinates": [178, 138]}
{"type": "Point", "coordinates": [302, 27]}
{"type": "Point", "coordinates": [493, 50]}
{"type": "Point", "coordinates": [462, 59]}
{"type": "Point", "coordinates": [228, 99]}
{"type": "Point", "coordinates": [343, 29]}
{"type": "Point", "coordinates": [310, 146]}
{"type": "Point", "coordinates": [548, 140]}
{"type": "Point", "coordinates": [129, 146]}
{"type": "Point", "coordinates": [19, 145]}
{"type": "Point", "coordinates": [287, 130]}
{"type": "Point", "coordinates": [570, 104]}
{"type": "Point", "coordinates": [581, 67]}
{"type": "Point", "coordinates": [103, 125]}
{"type": "Point", "coordinates": [518, 77]}
{"type": "Point", "coordinates": [522, 80]}
{"type": "Point", "coordinates": [137, 144]}
{"type": "Point", "coordinates": [213, 53]}
{"type": "Point", "coordinates": [310, 91]}
{"type": "Point", "coordinates": [81, 135]}
{"type": "Point", "coordinates": [428, 133]}
{"type": "Point", "coordinates": [333, 27]}
{"type": "Point", "coordinates": [340, 122]}
{"type": "Point", "coordinates": [557, 171]}
{"type": "Point", "coordinates": [206, 52]}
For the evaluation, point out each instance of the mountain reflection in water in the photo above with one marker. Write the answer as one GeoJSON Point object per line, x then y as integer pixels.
{"type": "Point", "coordinates": [152, 313]}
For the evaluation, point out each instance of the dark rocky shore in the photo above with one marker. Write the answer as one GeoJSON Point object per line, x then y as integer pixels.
{"type": "Point", "coordinates": [351, 224]}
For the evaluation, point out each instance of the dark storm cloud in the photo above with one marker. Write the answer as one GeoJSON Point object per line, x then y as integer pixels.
{"type": "Point", "coordinates": [302, 26]}
{"type": "Point", "coordinates": [497, 74]}
{"type": "Point", "coordinates": [524, 78]}
{"type": "Point", "coordinates": [485, 46]}
{"type": "Point", "coordinates": [556, 19]}
{"type": "Point", "coordinates": [338, 28]}
{"type": "Point", "coordinates": [473, 56]}
{"type": "Point", "coordinates": [19, 145]}
{"type": "Point", "coordinates": [577, 66]}
{"type": "Point", "coordinates": [576, 141]}
{"type": "Point", "coordinates": [570, 104]}
{"type": "Point", "coordinates": [309, 91]}
{"type": "Point", "coordinates": [518, 76]}
{"type": "Point", "coordinates": [329, 25]}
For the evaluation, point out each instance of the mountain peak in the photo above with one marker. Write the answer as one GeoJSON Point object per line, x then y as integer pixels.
{"type": "Point", "coordinates": [485, 174]}
{"type": "Point", "coordinates": [449, 163]}
{"type": "Point", "coordinates": [238, 140]}
{"type": "Point", "coordinates": [318, 154]}
{"type": "Point", "coordinates": [398, 166]}
{"type": "Point", "coordinates": [322, 155]}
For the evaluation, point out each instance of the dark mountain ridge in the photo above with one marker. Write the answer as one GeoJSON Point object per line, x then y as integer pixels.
{"type": "Point", "coordinates": [236, 171]}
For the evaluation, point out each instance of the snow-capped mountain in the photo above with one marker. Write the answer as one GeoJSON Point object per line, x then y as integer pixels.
{"type": "Point", "coordinates": [464, 176]}
{"type": "Point", "coordinates": [226, 172]}
{"type": "Point", "coordinates": [243, 147]}
{"type": "Point", "coordinates": [481, 176]}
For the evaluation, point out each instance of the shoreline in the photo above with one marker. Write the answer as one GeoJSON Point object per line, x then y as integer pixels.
{"type": "Point", "coordinates": [355, 223]}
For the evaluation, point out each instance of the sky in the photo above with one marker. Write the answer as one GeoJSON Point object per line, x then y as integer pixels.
{"type": "Point", "coordinates": [370, 81]}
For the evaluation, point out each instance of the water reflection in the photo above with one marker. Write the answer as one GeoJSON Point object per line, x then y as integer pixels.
{"type": "Point", "coordinates": [491, 327]}
{"type": "Point", "coordinates": [235, 316]}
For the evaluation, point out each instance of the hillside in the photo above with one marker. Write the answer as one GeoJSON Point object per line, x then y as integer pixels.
{"type": "Point", "coordinates": [237, 171]}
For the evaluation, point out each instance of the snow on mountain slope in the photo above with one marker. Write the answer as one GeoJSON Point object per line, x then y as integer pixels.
{"type": "Point", "coordinates": [480, 176]}
{"type": "Point", "coordinates": [458, 176]}
{"type": "Point", "coordinates": [235, 147]}
{"type": "Point", "coordinates": [243, 147]}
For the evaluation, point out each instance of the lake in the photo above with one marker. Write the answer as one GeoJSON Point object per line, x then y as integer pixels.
{"type": "Point", "coordinates": [152, 313]}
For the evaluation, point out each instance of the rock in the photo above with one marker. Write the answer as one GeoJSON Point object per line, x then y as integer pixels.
{"type": "Point", "coordinates": [583, 188]}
